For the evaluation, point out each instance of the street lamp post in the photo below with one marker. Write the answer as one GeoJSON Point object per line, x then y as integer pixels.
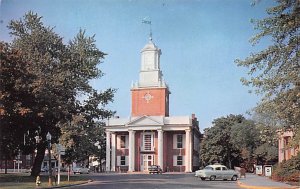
{"type": "Point", "coordinates": [99, 147]}
{"type": "Point", "coordinates": [48, 137]}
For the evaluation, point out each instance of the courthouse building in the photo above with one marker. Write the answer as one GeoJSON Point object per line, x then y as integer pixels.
{"type": "Point", "coordinates": [150, 136]}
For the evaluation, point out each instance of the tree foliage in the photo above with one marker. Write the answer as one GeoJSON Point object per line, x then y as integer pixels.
{"type": "Point", "coordinates": [236, 141]}
{"type": "Point", "coordinates": [245, 136]}
{"type": "Point", "coordinates": [60, 74]}
{"type": "Point", "coordinates": [15, 100]}
{"type": "Point", "coordinates": [275, 71]}
{"type": "Point", "coordinates": [81, 134]}
{"type": "Point", "coordinates": [216, 145]}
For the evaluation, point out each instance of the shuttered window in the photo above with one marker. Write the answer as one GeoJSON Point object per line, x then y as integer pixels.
{"type": "Point", "coordinates": [179, 160]}
{"type": "Point", "coordinates": [148, 142]}
{"type": "Point", "coordinates": [123, 160]}
{"type": "Point", "coordinates": [123, 141]}
{"type": "Point", "coordinates": [179, 141]}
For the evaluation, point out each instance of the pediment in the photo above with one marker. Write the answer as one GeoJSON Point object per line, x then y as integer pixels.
{"type": "Point", "coordinates": [146, 121]}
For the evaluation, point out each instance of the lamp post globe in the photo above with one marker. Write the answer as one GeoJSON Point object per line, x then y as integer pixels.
{"type": "Point", "coordinates": [48, 137]}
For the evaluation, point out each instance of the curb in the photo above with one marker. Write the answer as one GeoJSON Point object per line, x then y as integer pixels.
{"type": "Point", "coordinates": [68, 185]}
{"type": "Point", "coordinates": [242, 185]}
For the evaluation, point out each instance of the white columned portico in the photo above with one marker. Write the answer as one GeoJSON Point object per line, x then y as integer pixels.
{"type": "Point", "coordinates": [113, 151]}
{"type": "Point", "coordinates": [188, 159]}
{"type": "Point", "coordinates": [107, 151]}
{"type": "Point", "coordinates": [131, 150]}
{"type": "Point", "coordinates": [160, 157]}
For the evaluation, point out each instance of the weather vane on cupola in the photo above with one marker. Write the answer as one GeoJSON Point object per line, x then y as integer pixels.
{"type": "Point", "coordinates": [147, 20]}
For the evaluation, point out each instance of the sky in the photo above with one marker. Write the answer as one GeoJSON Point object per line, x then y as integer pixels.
{"type": "Point", "coordinates": [199, 40]}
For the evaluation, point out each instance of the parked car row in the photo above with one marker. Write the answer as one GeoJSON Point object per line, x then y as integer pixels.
{"type": "Point", "coordinates": [211, 172]}
{"type": "Point", "coordinates": [80, 170]}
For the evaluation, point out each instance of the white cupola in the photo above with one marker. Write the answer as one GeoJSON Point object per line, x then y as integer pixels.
{"type": "Point", "coordinates": [150, 73]}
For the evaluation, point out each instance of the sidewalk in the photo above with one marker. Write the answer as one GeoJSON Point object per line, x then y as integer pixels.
{"type": "Point", "coordinates": [260, 182]}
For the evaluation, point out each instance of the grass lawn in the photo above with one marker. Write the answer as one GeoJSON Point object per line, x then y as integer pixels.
{"type": "Point", "coordinates": [24, 181]}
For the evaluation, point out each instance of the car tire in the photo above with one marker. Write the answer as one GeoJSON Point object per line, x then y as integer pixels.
{"type": "Point", "coordinates": [212, 178]}
{"type": "Point", "coordinates": [202, 178]}
{"type": "Point", "coordinates": [234, 178]}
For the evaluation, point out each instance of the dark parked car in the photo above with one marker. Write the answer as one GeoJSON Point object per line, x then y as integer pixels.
{"type": "Point", "coordinates": [155, 169]}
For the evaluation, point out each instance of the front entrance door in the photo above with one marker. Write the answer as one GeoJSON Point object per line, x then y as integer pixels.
{"type": "Point", "coordinates": [146, 161]}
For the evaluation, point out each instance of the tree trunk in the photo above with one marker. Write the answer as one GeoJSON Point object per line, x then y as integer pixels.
{"type": "Point", "coordinates": [36, 169]}
{"type": "Point", "coordinates": [5, 165]}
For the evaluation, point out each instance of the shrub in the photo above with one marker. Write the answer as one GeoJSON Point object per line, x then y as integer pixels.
{"type": "Point", "coordinates": [288, 170]}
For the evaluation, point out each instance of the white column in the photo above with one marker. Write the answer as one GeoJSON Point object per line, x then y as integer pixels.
{"type": "Point", "coordinates": [107, 151]}
{"type": "Point", "coordinates": [280, 149]}
{"type": "Point", "coordinates": [113, 151]}
{"type": "Point", "coordinates": [131, 150]}
{"type": "Point", "coordinates": [188, 159]}
{"type": "Point", "coordinates": [160, 150]}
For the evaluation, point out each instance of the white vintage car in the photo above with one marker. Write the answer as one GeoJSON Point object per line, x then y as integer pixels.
{"type": "Point", "coordinates": [81, 170]}
{"type": "Point", "coordinates": [213, 172]}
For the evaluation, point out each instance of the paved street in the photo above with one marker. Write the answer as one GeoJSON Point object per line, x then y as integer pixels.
{"type": "Point", "coordinates": [145, 181]}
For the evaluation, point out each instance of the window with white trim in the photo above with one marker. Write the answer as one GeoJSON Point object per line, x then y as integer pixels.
{"type": "Point", "coordinates": [179, 141]}
{"type": "Point", "coordinates": [123, 160]}
{"type": "Point", "coordinates": [122, 141]}
{"type": "Point", "coordinates": [148, 142]}
{"type": "Point", "coordinates": [179, 160]}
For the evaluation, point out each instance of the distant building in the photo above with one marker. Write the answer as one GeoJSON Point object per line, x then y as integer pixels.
{"type": "Point", "coordinates": [150, 136]}
{"type": "Point", "coordinates": [20, 162]}
{"type": "Point", "coordinates": [25, 162]}
{"type": "Point", "coordinates": [285, 152]}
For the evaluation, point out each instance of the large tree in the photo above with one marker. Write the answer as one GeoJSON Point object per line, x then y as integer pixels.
{"type": "Point", "coordinates": [62, 72]}
{"type": "Point", "coordinates": [216, 145]}
{"type": "Point", "coordinates": [275, 71]}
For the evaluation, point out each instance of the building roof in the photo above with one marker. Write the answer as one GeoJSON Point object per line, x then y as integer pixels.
{"type": "Point", "coordinates": [150, 46]}
{"type": "Point", "coordinates": [150, 120]}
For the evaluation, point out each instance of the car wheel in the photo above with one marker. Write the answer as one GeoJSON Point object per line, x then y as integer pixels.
{"type": "Point", "coordinates": [203, 178]}
{"type": "Point", "coordinates": [234, 178]}
{"type": "Point", "coordinates": [212, 177]}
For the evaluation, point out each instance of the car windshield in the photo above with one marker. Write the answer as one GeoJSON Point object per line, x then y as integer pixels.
{"type": "Point", "coordinates": [208, 168]}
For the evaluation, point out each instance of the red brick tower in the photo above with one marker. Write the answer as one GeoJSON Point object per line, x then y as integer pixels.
{"type": "Point", "coordinates": [150, 95]}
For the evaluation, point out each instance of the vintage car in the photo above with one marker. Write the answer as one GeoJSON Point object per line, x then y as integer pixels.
{"type": "Point", "coordinates": [81, 170]}
{"type": "Point", "coordinates": [155, 169]}
{"type": "Point", "coordinates": [213, 172]}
